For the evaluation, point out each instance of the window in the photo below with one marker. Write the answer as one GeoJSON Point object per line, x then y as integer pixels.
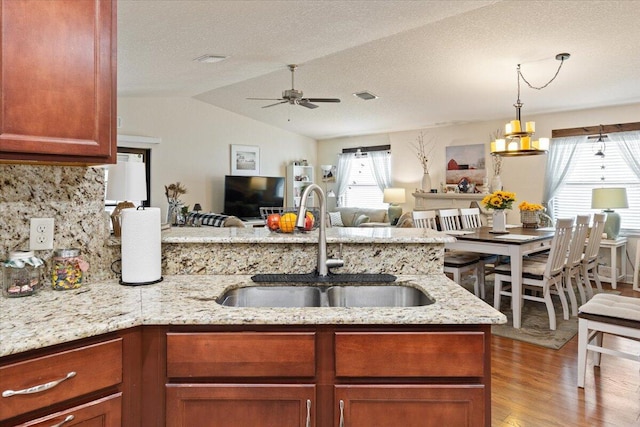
{"type": "Point", "coordinates": [589, 171]}
{"type": "Point", "coordinates": [362, 189]}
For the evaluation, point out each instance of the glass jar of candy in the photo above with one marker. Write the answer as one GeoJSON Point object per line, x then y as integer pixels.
{"type": "Point", "coordinates": [68, 269]}
{"type": "Point", "coordinates": [21, 274]}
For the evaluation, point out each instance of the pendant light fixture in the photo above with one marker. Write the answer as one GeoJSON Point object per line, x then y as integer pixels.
{"type": "Point", "coordinates": [517, 139]}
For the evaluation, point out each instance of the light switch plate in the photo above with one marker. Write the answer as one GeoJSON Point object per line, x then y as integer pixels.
{"type": "Point", "coordinates": [41, 234]}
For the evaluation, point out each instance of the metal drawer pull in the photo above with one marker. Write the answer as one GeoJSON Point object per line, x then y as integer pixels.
{"type": "Point", "coordinates": [38, 388]}
{"type": "Point", "coordinates": [66, 420]}
{"type": "Point", "coordinates": [341, 413]}
{"type": "Point", "coordinates": [308, 412]}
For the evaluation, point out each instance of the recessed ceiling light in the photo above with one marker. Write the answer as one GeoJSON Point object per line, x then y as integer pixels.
{"type": "Point", "coordinates": [209, 59]}
{"type": "Point", "coordinates": [366, 95]}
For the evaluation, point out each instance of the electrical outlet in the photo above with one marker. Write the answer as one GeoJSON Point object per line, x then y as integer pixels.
{"type": "Point", "coordinates": [41, 234]}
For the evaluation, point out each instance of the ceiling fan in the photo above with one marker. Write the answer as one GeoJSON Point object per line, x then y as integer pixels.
{"type": "Point", "coordinates": [295, 97]}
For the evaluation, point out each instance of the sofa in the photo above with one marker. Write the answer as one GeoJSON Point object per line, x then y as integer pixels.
{"type": "Point", "coordinates": [367, 217]}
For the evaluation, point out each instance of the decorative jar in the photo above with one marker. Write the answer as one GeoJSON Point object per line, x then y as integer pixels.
{"type": "Point", "coordinates": [68, 269]}
{"type": "Point", "coordinates": [22, 274]}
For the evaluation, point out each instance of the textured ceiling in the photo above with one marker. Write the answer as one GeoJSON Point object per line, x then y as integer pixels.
{"type": "Point", "coordinates": [431, 62]}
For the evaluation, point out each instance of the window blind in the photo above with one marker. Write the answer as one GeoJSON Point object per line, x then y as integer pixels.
{"type": "Point", "coordinates": [591, 172]}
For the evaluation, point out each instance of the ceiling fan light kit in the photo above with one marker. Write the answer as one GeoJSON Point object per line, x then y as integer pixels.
{"type": "Point", "coordinates": [517, 139]}
{"type": "Point", "coordinates": [295, 97]}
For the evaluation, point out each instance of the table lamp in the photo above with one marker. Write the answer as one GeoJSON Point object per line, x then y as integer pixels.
{"type": "Point", "coordinates": [126, 181]}
{"type": "Point", "coordinates": [393, 196]}
{"type": "Point", "coordinates": [608, 199]}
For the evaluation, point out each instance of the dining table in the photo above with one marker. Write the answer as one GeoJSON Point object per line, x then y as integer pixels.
{"type": "Point", "coordinates": [516, 243]}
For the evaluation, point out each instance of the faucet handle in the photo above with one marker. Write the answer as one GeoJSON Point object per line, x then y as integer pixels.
{"type": "Point", "coordinates": [334, 262]}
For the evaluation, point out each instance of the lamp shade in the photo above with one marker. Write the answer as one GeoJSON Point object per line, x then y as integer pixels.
{"type": "Point", "coordinates": [127, 181]}
{"type": "Point", "coordinates": [609, 198]}
{"type": "Point", "coordinates": [393, 195]}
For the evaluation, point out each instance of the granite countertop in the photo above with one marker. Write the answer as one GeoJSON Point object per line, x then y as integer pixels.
{"type": "Point", "coordinates": [391, 235]}
{"type": "Point", "coordinates": [53, 317]}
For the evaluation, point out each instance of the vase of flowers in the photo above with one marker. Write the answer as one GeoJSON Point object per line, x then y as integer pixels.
{"type": "Point", "coordinates": [173, 193]}
{"type": "Point", "coordinates": [499, 201]}
{"type": "Point", "coordinates": [530, 214]}
{"type": "Point", "coordinates": [422, 150]}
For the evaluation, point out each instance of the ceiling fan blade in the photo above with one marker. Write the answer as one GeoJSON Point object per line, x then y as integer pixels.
{"type": "Point", "coordinates": [266, 99]}
{"type": "Point", "coordinates": [306, 103]}
{"type": "Point", "coordinates": [323, 99]}
{"type": "Point", "coordinates": [277, 103]}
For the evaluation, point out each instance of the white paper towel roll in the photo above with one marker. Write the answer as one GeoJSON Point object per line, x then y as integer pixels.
{"type": "Point", "coordinates": [140, 246]}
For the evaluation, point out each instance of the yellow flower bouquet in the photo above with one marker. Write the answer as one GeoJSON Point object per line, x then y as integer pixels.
{"type": "Point", "coordinates": [499, 200]}
{"type": "Point", "coordinates": [530, 214]}
{"type": "Point", "coordinates": [526, 206]}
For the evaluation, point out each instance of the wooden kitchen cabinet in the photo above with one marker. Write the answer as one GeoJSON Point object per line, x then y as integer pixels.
{"type": "Point", "coordinates": [92, 382]}
{"type": "Point", "coordinates": [105, 412]}
{"type": "Point", "coordinates": [409, 405]}
{"type": "Point", "coordinates": [255, 405]}
{"type": "Point", "coordinates": [58, 81]}
{"type": "Point", "coordinates": [219, 360]}
{"type": "Point", "coordinates": [431, 375]}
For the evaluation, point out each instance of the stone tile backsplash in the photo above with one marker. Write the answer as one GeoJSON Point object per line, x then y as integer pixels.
{"type": "Point", "coordinates": [72, 195]}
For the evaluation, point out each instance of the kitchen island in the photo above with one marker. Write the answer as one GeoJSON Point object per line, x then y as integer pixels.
{"type": "Point", "coordinates": [169, 354]}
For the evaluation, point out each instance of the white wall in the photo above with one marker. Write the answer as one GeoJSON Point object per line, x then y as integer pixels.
{"type": "Point", "coordinates": [196, 146]}
{"type": "Point", "coordinates": [522, 175]}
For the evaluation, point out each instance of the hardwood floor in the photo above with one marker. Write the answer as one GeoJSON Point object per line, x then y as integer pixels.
{"type": "Point", "coordinates": [536, 387]}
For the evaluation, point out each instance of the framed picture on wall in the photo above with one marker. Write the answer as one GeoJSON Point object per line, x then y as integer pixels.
{"type": "Point", "coordinates": [465, 164]}
{"type": "Point", "coordinates": [245, 160]}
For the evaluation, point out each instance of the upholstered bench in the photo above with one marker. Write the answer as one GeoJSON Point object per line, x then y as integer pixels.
{"type": "Point", "coordinates": [610, 314]}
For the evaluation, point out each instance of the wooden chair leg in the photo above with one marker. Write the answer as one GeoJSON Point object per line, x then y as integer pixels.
{"type": "Point", "coordinates": [572, 295]}
{"type": "Point", "coordinates": [497, 290]}
{"type": "Point", "coordinates": [551, 309]}
{"type": "Point", "coordinates": [580, 285]}
{"type": "Point", "coordinates": [563, 298]}
{"type": "Point", "coordinates": [583, 338]}
{"type": "Point", "coordinates": [587, 281]}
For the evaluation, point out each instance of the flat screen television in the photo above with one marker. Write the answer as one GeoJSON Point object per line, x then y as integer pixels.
{"type": "Point", "coordinates": [245, 195]}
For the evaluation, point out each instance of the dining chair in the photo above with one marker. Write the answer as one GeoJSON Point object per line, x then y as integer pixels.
{"type": "Point", "coordinates": [425, 219]}
{"type": "Point", "coordinates": [573, 262]}
{"type": "Point", "coordinates": [540, 276]}
{"type": "Point", "coordinates": [449, 219]}
{"type": "Point", "coordinates": [471, 218]}
{"type": "Point", "coordinates": [456, 263]}
{"type": "Point", "coordinates": [590, 258]}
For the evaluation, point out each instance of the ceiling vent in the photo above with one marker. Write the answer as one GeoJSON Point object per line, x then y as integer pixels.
{"type": "Point", "coordinates": [366, 95]}
{"type": "Point", "coordinates": [208, 59]}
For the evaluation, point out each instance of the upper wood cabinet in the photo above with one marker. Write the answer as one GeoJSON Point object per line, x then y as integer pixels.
{"type": "Point", "coordinates": [58, 81]}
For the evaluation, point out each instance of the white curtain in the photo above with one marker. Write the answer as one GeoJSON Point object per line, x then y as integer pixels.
{"type": "Point", "coordinates": [343, 171]}
{"type": "Point", "coordinates": [629, 147]}
{"type": "Point", "coordinates": [380, 163]}
{"type": "Point", "coordinates": [559, 163]}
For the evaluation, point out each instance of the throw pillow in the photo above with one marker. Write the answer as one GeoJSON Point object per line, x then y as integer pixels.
{"type": "Point", "coordinates": [360, 220]}
{"type": "Point", "coordinates": [335, 219]}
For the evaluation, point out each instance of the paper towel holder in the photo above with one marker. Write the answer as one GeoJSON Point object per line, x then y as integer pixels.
{"type": "Point", "coordinates": [122, 282]}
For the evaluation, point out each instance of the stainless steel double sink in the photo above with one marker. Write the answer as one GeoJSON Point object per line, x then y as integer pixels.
{"type": "Point", "coordinates": [326, 296]}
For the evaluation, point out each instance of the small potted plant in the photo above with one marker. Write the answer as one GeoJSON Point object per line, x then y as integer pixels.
{"type": "Point", "coordinates": [530, 214]}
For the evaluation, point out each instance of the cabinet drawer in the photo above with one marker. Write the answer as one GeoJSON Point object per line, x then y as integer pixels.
{"type": "Point", "coordinates": [242, 354]}
{"type": "Point", "coordinates": [87, 369]}
{"type": "Point", "coordinates": [410, 354]}
{"type": "Point", "coordinates": [105, 412]}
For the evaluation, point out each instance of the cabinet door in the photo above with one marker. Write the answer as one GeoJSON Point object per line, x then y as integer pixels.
{"type": "Point", "coordinates": [58, 81]}
{"type": "Point", "coordinates": [410, 406]}
{"type": "Point", "coordinates": [98, 413]}
{"type": "Point", "coordinates": [238, 405]}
